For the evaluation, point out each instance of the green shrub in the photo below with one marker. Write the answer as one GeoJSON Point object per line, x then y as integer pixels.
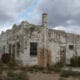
{"type": "Point", "coordinates": [55, 67]}
{"type": "Point", "coordinates": [35, 68]}
{"type": "Point", "coordinates": [12, 64]}
{"type": "Point", "coordinates": [1, 66]}
{"type": "Point", "coordinates": [23, 68]}
{"type": "Point", "coordinates": [62, 78]}
{"type": "Point", "coordinates": [65, 74]}
{"type": "Point", "coordinates": [58, 64]}
{"type": "Point", "coordinates": [69, 73]}
{"type": "Point", "coordinates": [75, 61]}
{"type": "Point", "coordinates": [1, 63]}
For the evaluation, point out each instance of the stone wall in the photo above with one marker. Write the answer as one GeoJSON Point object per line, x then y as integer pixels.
{"type": "Point", "coordinates": [57, 43]}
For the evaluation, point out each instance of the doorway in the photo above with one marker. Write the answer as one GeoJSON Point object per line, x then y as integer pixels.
{"type": "Point", "coordinates": [42, 57]}
{"type": "Point", "coordinates": [62, 55]}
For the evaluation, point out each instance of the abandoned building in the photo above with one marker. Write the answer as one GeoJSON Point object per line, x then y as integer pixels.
{"type": "Point", "coordinates": [38, 45]}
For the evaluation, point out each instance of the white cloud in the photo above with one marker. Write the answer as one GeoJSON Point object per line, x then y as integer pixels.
{"type": "Point", "coordinates": [9, 9]}
{"type": "Point", "coordinates": [61, 12]}
{"type": "Point", "coordinates": [60, 28]}
{"type": "Point", "coordinates": [4, 28]}
{"type": "Point", "coordinates": [65, 14]}
{"type": "Point", "coordinates": [72, 29]}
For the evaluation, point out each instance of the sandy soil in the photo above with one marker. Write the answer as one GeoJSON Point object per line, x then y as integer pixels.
{"type": "Point", "coordinates": [43, 76]}
{"type": "Point", "coordinates": [48, 76]}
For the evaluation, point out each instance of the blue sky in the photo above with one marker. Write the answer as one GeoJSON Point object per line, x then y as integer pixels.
{"type": "Point", "coordinates": [25, 14]}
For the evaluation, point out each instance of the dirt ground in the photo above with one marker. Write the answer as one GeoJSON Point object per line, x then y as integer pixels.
{"type": "Point", "coordinates": [43, 76]}
{"type": "Point", "coordinates": [48, 76]}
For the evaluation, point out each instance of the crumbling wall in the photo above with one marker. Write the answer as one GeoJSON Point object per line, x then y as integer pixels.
{"type": "Point", "coordinates": [56, 39]}
{"type": "Point", "coordinates": [25, 33]}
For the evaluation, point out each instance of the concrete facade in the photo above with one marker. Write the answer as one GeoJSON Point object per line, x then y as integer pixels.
{"type": "Point", "coordinates": [52, 45]}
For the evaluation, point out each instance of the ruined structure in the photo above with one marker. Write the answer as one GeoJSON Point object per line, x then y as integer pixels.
{"type": "Point", "coordinates": [38, 45]}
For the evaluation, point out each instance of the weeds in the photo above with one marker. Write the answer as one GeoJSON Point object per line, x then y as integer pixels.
{"type": "Point", "coordinates": [56, 67]}
{"type": "Point", "coordinates": [69, 73]}
{"type": "Point", "coordinates": [14, 76]}
{"type": "Point", "coordinates": [35, 68]}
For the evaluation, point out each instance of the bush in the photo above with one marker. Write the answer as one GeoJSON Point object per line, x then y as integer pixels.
{"type": "Point", "coordinates": [23, 68]}
{"type": "Point", "coordinates": [56, 67]}
{"type": "Point", "coordinates": [75, 61]}
{"type": "Point", "coordinates": [1, 63]}
{"type": "Point", "coordinates": [1, 66]}
{"type": "Point", "coordinates": [35, 68]}
{"type": "Point", "coordinates": [65, 74]}
{"type": "Point", "coordinates": [69, 73]}
{"type": "Point", "coordinates": [12, 64]}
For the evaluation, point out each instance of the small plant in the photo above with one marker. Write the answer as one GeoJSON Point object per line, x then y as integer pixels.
{"type": "Point", "coordinates": [23, 68]}
{"type": "Point", "coordinates": [35, 68]}
{"type": "Point", "coordinates": [14, 76]}
{"type": "Point", "coordinates": [55, 67]}
{"type": "Point", "coordinates": [1, 66]}
{"type": "Point", "coordinates": [75, 61]}
{"type": "Point", "coordinates": [12, 64]}
{"type": "Point", "coordinates": [69, 73]}
{"type": "Point", "coordinates": [1, 63]}
{"type": "Point", "coordinates": [61, 78]}
{"type": "Point", "coordinates": [65, 74]}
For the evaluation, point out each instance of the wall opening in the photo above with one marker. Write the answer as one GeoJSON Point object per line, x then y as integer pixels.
{"type": "Point", "coordinates": [71, 47]}
{"type": "Point", "coordinates": [13, 52]}
{"type": "Point", "coordinates": [33, 49]}
{"type": "Point", "coordinates": [18, 49]}
{"type": "Point", "coordinates": [3, 49]}
{"type": "Point", "coordinates": [63, 55]}
{"type": "Point", "coordinates": [10, 49]}
{"type": "Point", "coordinates": [42, 57]}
